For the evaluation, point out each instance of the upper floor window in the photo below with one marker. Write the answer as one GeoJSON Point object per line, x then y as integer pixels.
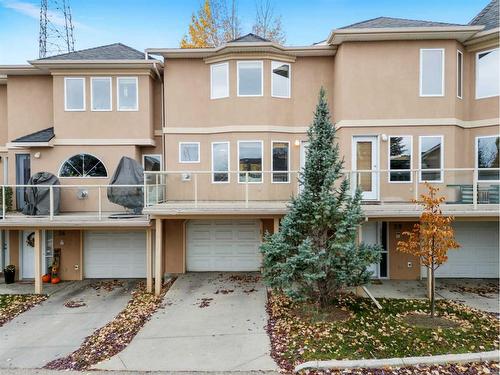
{"type": "Point", "coordinates": [400, 151]}
{"type": "Point", "coordinates": [220, 162]}
{"type": "Point", "coordinates": [250, 78]}
{"type": "Point", "coordinates": [488, 157]}
{"type": "Point", "coordinates": [280, 79]}
{"type": "Point", "coordinates": [460, 74]}
{"type": "Point", "coordinates": [74, 94]}
{"type": "Point", "coordinates": [100, 88]}
{"type": "Point", "coordinates": [219, 81]}
{"type": "Point", "coordinates": [128, 97]}
{"type": "Point", "coordinates": [250, 160]}
{"type": "Point", "coordinates": [432, 72]}
{"type": "Point", "coordinates": [189, 152]}
{"type": "Point", "coordinates": [487, 74]}
{"type": "Point", "coordinates": [280, 161]}
{"type": "Point", "coordinates": [431, 158]}
{"type": "Point", "coordinates": [83, 165]}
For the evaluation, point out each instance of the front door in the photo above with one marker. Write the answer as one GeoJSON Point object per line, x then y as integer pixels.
{"type": "Point", "coordinates": [28, 255]}
{"type": "Point", "coordinates": [23, 174]}
{"type": "Point", "coordinates": [364, 158]}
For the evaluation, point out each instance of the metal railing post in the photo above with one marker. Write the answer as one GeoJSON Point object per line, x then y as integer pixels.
{"type": "Point", "coordinates": [145, 190]}
{"type": "Point", "coordinates": [246, 189]}
{"type": "Point", "coordinates": [156, 188]}
{"type": "Point", "coordinates": [196, 189]}
{"type": "Point", "coordinates": [99, 202]}
{"type": "Point", "coordinates": [416, 187]}
{"type": "Point", "coordinates": [51, 201]}
{"type": "Point", "coordinates": [3, 202]}
{"type": "Point", "coordinates": [475, 178]}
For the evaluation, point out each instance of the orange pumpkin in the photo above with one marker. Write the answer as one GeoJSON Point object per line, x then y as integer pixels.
{"type": "Point", "coordinates": [46, 278]}
{"type": "Point", "coordinates": [55, 280]}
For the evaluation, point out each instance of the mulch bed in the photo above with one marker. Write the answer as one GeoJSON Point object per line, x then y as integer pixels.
{"type": "Point", "coordinates": [116, 335]}
{"type": "Point", "coordinates": [11, 305]}
{"type": "Point", "coordinates": [372, 333]}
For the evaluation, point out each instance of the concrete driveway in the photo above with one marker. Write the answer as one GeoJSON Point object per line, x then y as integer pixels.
{"type": "Point", "coordinates": [211, 322]}
{"type": "Point", "coordinates": [52, 330]}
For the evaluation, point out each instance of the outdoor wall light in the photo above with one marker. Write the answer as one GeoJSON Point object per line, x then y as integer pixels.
{"type": "Point", "coordinates": [37, 155]}
{"type": "Point", "coordinates": [297, 142]}
{"type": "Point", "coordinates": [384, 137]}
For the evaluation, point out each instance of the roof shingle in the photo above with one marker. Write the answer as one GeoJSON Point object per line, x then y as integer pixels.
{"type": "Point", "coordinates": [389, 22]}
{"type": "Point", "coordinates": [488, 17]}
{"type": "Point", "coordinates": [249, 38]}
{"type": "Point", "coordinates": [44, 135]}
{"type": "Point", "coordinates": [116, 51]}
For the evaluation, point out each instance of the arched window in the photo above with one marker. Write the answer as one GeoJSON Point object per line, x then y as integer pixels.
{"type": "Point", "coordinates": [83, 165]}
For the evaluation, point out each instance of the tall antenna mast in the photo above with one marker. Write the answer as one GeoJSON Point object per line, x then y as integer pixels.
{"type": "Point", "coordinates": [56, 28]}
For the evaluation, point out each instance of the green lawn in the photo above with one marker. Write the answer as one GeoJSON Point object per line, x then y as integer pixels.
{"type": "Point", "coordinates": [12, 305]}
{"type": "Point", "coordinates": [371, 333]}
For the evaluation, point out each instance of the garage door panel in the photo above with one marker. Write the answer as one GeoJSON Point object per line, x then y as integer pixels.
{"type": "Point", "coordinates": [115, 254]}
{"type": "Point", "coordinates": [231, 246]}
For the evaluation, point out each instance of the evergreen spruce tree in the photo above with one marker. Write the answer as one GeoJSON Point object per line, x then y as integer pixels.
{"type": "Point", "coordinates": [316, 253]}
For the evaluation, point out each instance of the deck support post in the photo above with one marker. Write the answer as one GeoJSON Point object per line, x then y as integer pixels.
{"type": "Point", "coordinates": [149, 260]}
{"type": "Point", "coordinates": [158, 255]}
{"type": "Point", "coordinates": [38, 261]}
{"type": "Point", "coordinates": [276, 224]}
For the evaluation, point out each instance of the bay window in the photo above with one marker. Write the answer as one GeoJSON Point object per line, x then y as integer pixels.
{"type": "Point", "coordinates": [432, 72]}
{"type": "Point", "coordinates": [400, 153]}
{"type": "Point", "coordinates": [280, 162]}
{"type": "Point", "coordinates": [487, 157]}
{"type": "Point", "coordinates": [250, 160]}
{"type": "Point", "coordinates": [431, 158]}
{"type": "Point", "coordinates": [74, 94]}
{"type": "Point", "coordinates": [220, 162]}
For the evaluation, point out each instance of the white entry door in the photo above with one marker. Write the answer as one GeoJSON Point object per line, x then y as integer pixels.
{"type": "Point", "coordinates": [28, 255]}
{"type": "Point", "coordinates": [364, 158]}
{"type": "Point", "coordinates": [223, 245]}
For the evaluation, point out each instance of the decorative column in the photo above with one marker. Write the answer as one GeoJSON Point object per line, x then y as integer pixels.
{"type": "Point", "coordinates": [158, 255]}
{"type": "Point", "coordinates": [38, 261]}
{"type": "Point", "coordinates": [149, 260]}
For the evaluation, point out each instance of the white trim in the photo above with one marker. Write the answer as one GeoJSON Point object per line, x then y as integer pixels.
{"type": "Point", "coordinates": [212, 66]}
{"type": "Point", "coordinates": [442, 72]}
{"type": "Point", "coordinates": [118, 79]}
{"type": "Point", "coordinates": [236, 129]}
{"type": "Point", "coordinates": [477, 73]}
{"type": "Point", "coordinates": [84, 177]}
{"type": "Point", "coordinates": [66, 94]}
{"type": "Point", "coordinates": [288, 166]}
{"type": "Point", "coordinates": [441, 121]}
{"type": "Point", "coordinates": [476, 159]}
{"type": "Point", "coordinates": [441, 166]}
{"type": "Point", "coordinates": [261, 162]}
{"type": "Point", "coordinates": [399, 170]}
{"type": "Point", "coordinates": [180, 154]}
{"type": "Point", "coordinates": [261, 63]}
{"type": "Point", "coordinates": [102, 142]}
{"type": "Point", "coordinates": [92, 94]}
{"type": "Point", "coordinates": [289, 79]}
{"type": "Point", "coordinates": [213, 172]}
{"type": "Point", "coordinates": [460, 74]}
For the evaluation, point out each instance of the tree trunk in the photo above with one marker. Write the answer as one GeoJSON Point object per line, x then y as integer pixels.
{"type": "Point", "coordinates": [433, 303]}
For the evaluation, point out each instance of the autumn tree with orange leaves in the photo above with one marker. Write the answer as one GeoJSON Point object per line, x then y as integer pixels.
{"type": "Point", "coordinates": [431, 238]}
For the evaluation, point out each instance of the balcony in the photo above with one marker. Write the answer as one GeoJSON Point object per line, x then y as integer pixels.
{"type": "Point", "coordinates": [469, 192]}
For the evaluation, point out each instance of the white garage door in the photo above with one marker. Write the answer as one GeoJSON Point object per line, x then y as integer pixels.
{"type": "Point", "coordinates": [223, 245]}
{"type": "Point", "coordinates": [114, 254]}
{"type": "Point", "coordinates": [478, 255]}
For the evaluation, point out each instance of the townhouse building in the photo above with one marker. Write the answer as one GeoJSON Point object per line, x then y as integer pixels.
{"type": "Point", "coordinates": [221, 134]}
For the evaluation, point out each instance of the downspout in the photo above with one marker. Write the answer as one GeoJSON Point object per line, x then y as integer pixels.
{"type": "Point", "coordinates": [162, 98]}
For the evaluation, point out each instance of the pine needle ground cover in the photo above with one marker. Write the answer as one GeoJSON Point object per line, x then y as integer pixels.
{"type": "Point", "coordinates": [371, 333]}
{"type": "Point", "coordinates": [11, 305]}
{"type": "Point", "coordinates": [111, 339]}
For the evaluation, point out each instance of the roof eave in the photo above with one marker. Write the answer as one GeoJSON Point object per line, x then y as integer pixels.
{"type": "Point", "coordinates": [460, 33]}
{"type": "Point", "coordinates": [18, 70]}
{"type": "Point", "coordinates": [485, 35]}
{"type": "Point", "coordinates": [73, 64]}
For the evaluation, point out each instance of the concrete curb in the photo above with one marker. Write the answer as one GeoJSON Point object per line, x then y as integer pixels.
{"type": "Point", "coordinates": [493, 355]}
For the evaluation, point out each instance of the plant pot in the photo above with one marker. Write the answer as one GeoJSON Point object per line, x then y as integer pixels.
{"type": "Point", "coordinates": [9, 276]}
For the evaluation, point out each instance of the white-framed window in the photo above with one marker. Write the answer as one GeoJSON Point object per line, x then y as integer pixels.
{"type": "Point", "coordinates": [219, 80]}
{"type": "Point", "coordinates": [74, 94]}
{"type": "Point", "coordinates": [152, 163]}
{"type": "Point", "coordinates": [250, 159]}
{"type": "Point", "coordinates": [250, 78]}
{"type": "Point", "coordinates": [487, 74]}
{"type": "Point", "coordinates": [460, 74]}
{"type": "Point", "coordinates": [400, 159]}
{"type": "Point", "coordinates": [280, 162]}
{"type": "Point", "coordinates": [189, 152]}
{"type": "Point", "coordinates": [101, 92]}
{"type": "Point", "coordinates": [431, 158]}
{"type": "Point", "coordinates": [488, 157]}
{"type": "Point", "coordinates": [83, 166]}
{"type": "Point", "coordinates": [220, 162]}
{"type": "Point", "coordinates": [127, 89]}
{"type": "Point", "coordinates": [280, 79]}
{"type": "Point", "coordinates": [432, 72]}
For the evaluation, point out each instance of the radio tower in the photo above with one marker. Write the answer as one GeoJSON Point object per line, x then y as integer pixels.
{"type": "Point", "coordinates": [56, 28]}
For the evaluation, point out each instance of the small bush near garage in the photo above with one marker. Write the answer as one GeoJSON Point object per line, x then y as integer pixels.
{"type": "Point", "coordinates": [111, 339]}
{"type": "Point", "coordinates": [372, 333]}
{"type": "Point", "coordinates": [11, 305]}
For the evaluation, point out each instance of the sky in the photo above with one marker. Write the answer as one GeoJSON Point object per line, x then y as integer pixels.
{"type": "Point", "coordinates": [162, 23]}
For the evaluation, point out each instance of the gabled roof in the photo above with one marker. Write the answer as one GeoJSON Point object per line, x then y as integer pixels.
{"type": "Point", "coordinates": [390, 22]}
{"type": "Point", "coordinates": [44, 135]}
{"type": "Point", "coordinates": [488, 17]}
{"type": "Point", "coordinates": [249, 38]}
{"type": "Point", "coordinates": [116, 51]}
